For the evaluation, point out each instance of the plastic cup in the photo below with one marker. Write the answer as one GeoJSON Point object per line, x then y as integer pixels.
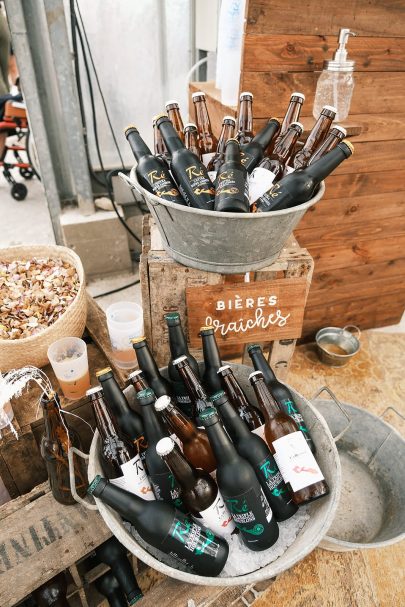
{"type": "Point", "coordinates": [68, 357]}
{"type": "Point", "coordinates": [124, 321]}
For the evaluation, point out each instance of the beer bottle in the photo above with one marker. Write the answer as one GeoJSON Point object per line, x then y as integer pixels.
{"type": "Point", "coordinates": [128, 420]}
{"type": "Point", "coordinates": [190, 174]}
{"type": "Point", "coordinates": [113, 554]}
{"type": "Point", "coordinates": [164, 485]}
{"type": "Point", "coordinates": [300, 186]}
{"type": "Point", "coordinates": [159, 384]}
{"type": "Point", "coordinates": [198, 396]}
{"type": "Point", "coordinates": [199, 491]}
{"type": "Point", "coordinates": [253, 152]}
{"type": "Point", "coordinates": [138, 380]}
{"type": "Point", "coordinates": [278, 159]}
{"type": "Point", "coordinates": [292, 114]}
{"type": "Point", "coordinates": [159, 145]}
{"type": "Point", "coordinates": [240, 488]}
{"type": "Point", "coordinates": [212, 360]}
{"type": "Point", "coordinates": [245, 118]}
{"type": "Point", "coordinates": [289, 447]}
{"type": "Point", "coordinates": [58, 437]}
{"type": "Point", "coordinates": [228, 127]}
{"type": "Point", "coordinates": [173, 112]}
{"type": "Point", "coordinates": [316, 137]}
{"type": "Point", "coordinates": [196, 446]}
{"type": "Point", "coordinates": [118, 450]}
{"type": "Point", "coordinates": [208, 141]}
{"type": "Point", "coordinates": [335, 136]}
{"type": "Point", "coordinates": [178, 347]}
{"type": "Point", "coordinates": [151, 171]}
{"type": "Point", "coordinates": [255, 450]}
{"type": "Point", "coordinates": [191, 139]}
{"type": "Point", "coordinates": [108, 585]}
{"type": "Point", "coordinates": [279, 391]}
{"type": "Point", "coordinates": [52, 593]}
{"type": "Point", "coordinates": [232, 187]}
{"type": "Point", "coordinates": [166, 528]}
{"type": "Point", "coordinates": [250, 414]}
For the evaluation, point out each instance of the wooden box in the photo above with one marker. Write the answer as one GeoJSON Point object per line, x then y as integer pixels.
{"type": "Point", "coordinates": [166, 286]}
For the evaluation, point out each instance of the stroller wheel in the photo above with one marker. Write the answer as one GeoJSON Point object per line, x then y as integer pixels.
{"type": "Point", "coordinates": [19, 191]}
{"type": "Point", "coordinates": [27, 173]}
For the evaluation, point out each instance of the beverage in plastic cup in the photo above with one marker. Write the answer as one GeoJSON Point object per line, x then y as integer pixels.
{"type": "Point", "coordinates": [68, 357]}
{"type": "Point", "coordinates": [124, 321]}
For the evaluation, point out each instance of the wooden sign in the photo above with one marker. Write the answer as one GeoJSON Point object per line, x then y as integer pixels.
{"type": "Point", "coordinates": [248, 312]}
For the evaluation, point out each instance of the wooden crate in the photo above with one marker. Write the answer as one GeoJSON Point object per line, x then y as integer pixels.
{"type": "Point", "coordinates": [164, 283]}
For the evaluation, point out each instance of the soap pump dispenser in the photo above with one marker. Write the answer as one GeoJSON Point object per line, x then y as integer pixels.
{"type": "Point", "coordinates": [335, 84]}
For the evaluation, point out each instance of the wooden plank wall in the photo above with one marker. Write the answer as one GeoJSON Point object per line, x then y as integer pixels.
{"type": "Point", "coordinates": [356, 235]}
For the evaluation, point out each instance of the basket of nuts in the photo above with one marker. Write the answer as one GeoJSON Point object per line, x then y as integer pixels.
{"type": "Point", "coordinates": [42, 298]}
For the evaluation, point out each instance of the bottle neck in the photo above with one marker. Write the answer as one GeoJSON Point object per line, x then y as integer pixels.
{"type": "Point", "coordinates": [191, 140]}
{"type": "Point", "coordinates": [55, 426]}
{"type": "Point", "coordinates": [318, 133]}
{"type": "Point", "coordinates": [331, 141]}
{"type": "Point", "coordinates": [245, 118]}
{"type": "Point", "coordinates": [153, 428]}
{"type": "Point", "coordinates": [138, 146]}
{"type": "Point", "coordinates": [226, 133]}
{"type": "Point", "coordinates": [139, 384]}
{"type": "Point", "coordinates": [182, 470]}
{"type": "Point", "coordinates": [325, 165]}
{"type": "Point", "coordinates": [183, 427]}
{"type": "Point", "coordinates": [266, 401]}
{"type": "Point", "coordinates": [177, 341]}
{"type": "Point", "coordinates": [128, 505]}
{"type": "Point", "coordinates": [264, 136]}
{"type": "Point", "coordinates": [146, 362]}
{"type": "Point", "coordinates": [158, 143]}
{"type": "Point", "coordinates": [115, 397]}
{"type": "Point", "coordinates": [233, 388]}
{"type": "Point", "coordinates": [175, 117]}
{"type": "Point", "coordinates": [192, 383]}
{"type": "Point", "coordinates": [210, 351]}
{"type": "Point", "coordinates": [202, 118]}
{"type": "Point", "coordinates": [233, 421]}
{"type": "Point", "coordinates": [261, 364]}
{"type": "Point", "coordinates": [283, 149]}
{"type": "Point", "coordinates": [292, 115]}
{"type": "Point", "coordinates": [170, 137]}
{"type": "Point", "coordinates": [232, 152]}
{"type": "Point", "coordinates": [105, 422]}
{"type": "Point", "coordinates": [224, 450]}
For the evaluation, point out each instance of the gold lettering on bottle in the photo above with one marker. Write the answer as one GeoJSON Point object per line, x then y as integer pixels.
{"type": "Point", "coordinates": [154, 176]}
{"type": "Point", "coordinates": [194, 172]}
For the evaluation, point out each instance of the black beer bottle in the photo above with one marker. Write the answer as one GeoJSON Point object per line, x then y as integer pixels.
{"type": "Point", "coordinates": [159, 384]}
{"type": "Point", "coordinates": [253, 152]}
{"type": "Point", "coordinates": [118, 450]}
{"type": "Point", "coordinates": [199, 491]}
{"type": "Point", "coordinates": [178, 347]}
{"type": "Point", "coordinates": [232, 188]}
{"type": "Point", "coordinates": [292, 114]}
{"type": "Point", "coordinates": [191, 139]}
{"type": "Point", "coordinates": [113, 554]}
{"type": "Point", "coordinates": [228, 127]}
{"type": "Point", "coordinates": [300, 186]}
{"type": "Point", "coordinates": [128, 420]}
{"type": "Point", "coordinates": [316, 136]}
{"type": "Point", "coordinates": [279, 391]}
{"type": "Point", "coordinates": [190, 174]}
{"type": "Point", "coordinates": [278, 159]}
{"type": "Point", "coordinates": [251, 415]}
{"type": "Point", "coordinates": [245, 118]}
{"type": "Point", "coordinates": [240, 488]}
{"type": "Point", "coordinates": [294, 459]}
{"type": "Point", "coordinates": [138, 380]}
{"type": "Point", "coordinates": [335, 136]}
{"type": "Point", "coordinates": [212, 360]}
{"type": "Point", "coordinates": [151, 171]}
{"type": "Point", "coordinates": [55, 443]}
{"type": "Point", "coordinates": [108, 585]}
{"type": "Point", "coordinates": [196, 391]}
{"type": "Point", "coordinates": [166, 528]}
{"type": "Point", "coordinates": [164, 484]}
{"type": "Point", "coordinates": [52, 593]}
{"type": "Point", "coordinates": [255, 450]}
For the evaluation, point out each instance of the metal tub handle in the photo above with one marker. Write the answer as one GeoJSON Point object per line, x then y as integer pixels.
{"type": "Point", "coordinates": [353, 327]}
{"type": "Point", "coordinates": [77, 497]}
{"type": "Point", "coordinates": [386, 439]}
{"type": "Point", "coordinates": [339, 405]}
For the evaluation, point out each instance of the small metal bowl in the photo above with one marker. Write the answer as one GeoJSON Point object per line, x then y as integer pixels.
{"type": "Point", "coordinates": [337, 346]}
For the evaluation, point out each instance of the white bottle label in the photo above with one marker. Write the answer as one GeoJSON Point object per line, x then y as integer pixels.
{"type": "Point", "coordinates": [135, 479]}
{"type": "Point", "coordinates": [212, 175]}
{"type": "Point", "coordinates": [217, 517]}
{"type": "Point", "coordinates": [206, 158]}
{"type": "Point", "coordinates": [296, 462]}
{"type": "Point", "coordinates": [260, 181]}
{"type": "Point", "coordinates": [260, 432]}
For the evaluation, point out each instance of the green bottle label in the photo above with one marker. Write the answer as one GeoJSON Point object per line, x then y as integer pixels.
{"type": "Point", "coordinates": [251, 512]}
{"type": "Point", "coordinates": [186, 536]}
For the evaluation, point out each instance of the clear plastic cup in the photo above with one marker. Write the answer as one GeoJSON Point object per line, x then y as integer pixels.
{"type": "Point", "coordinates": [68, 357]}
{"type": "Point", "coordinates": [124, 321]}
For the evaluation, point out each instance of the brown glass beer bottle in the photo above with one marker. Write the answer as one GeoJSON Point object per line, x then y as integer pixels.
{"type": "Point", "coordinates": [196, 391]}
{"type": "Point", "coordinates": [316, 137]}
{"type": "Point", "coordinates": [191, 139]}
{"type": "Point", "coordinates": [138, 380]}
{"type": "Point", "coordinates": [250, 414]}
{"type": "Point", "coordinates": [278, 159]}
{"type": "Point", "coordinates": [335, 136]}
{"type": "Point", "coordinates": [292, 114]}
{"type": "Point", "coordinates": [173, 111]}
{"type": "Point", "coordinates": [208, 141]}
{"type": "Point", "coordinates": [159, 145]}
{"type": "Point", "coordinates": [228, 127]}
{"type": "Point", "coordinates": [245, 118]}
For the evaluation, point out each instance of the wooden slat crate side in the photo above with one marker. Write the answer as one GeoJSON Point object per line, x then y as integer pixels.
{"type": "Point", "coordinates": [378, 18]}
{"type": "Point", "coordinates": [299, 53]}
{"type": "Point", "coordinates": [24, 462]}
{"type": "Point", "coordinates": [374, 92]}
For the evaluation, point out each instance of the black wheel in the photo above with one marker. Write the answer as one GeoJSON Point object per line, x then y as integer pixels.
{"type": "Point", "coordinates": [27, 173]}
{"type": "Point", "coordinates": [19, 191]}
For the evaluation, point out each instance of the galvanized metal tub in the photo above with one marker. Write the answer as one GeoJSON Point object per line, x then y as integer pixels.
{"type": "Point", "coordinates": [228, 243]}
{"type": "Point", "coordinates": [321, 511]}
{"type": "Point", "coordinates": [337, 346]}
{"type": "Point", "coordinates": [371, 511]}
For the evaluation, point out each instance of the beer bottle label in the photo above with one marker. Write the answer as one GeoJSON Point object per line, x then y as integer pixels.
{"type": "Point", "coordinates": [161, 184]}
{"type": "Point", "coordinates": [217, 517]}
{"type": "Point", "coordinates": [212, 175]}
{"type": "Point", "coordinates": [260, 432]}
{"type": "Point", "coordinates": [291, 410]}
{"type": "Point", "coordinates": [270, 198]}
{"type": "Point", "coordinates": [199, 182]}
{"type": "Point", "coordinates": [134, 479]}
{"type": "Point", "coordinates": [232, 182]}
{"type": "Point", "coordinates": [188, 541]}
{"type": "Point", "coordinates": [296, 462]}
{"type": "Point", "coordinates": [251, 513]}
{"type": "Point", "coordinates": [207, 157]}
{"type": "Point", "coordinates": [166, 488]}
{"type": "Point", "coordinates": [272, 476]}
{"type": "Point", "coordinates": [260, 181]}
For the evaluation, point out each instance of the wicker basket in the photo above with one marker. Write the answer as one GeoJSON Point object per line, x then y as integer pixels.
{"type": "Point", "coordinates": [16, 353]}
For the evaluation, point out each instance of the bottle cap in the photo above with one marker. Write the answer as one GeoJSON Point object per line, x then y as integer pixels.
{"type": "Point", "coordinates": [223, 368]}
{"type": "Point", "coordinates": [171, 102]}
{"type": "Point", "coordinates": [180, 359]}
{"type": "Point", "coordinates": [94, 390]}
{"type": "Point", "coordinates": [295, 94]}
{"type": "Point", "coordinates": [103, 371]}
{"type": "Point", "coordinates": [162, 115]}
{"type": "Point", "coordinates": [246, 94]}
{"type": "Point", "coordinates": [232, 139]}
{"type": "Point", "coordinates": [208, 416]}
{"type": "Point", "coordinates": [97, 485]}
{"type": "Point", "coordinates": [254, 374]}
{"type": "Point", "coordinates": [229, 118]}
{"type": "Point", "coordinates": [197, 94]}
{"type": "Point", "coordinates": [135, 373]}
{"type": "Point", "coordinates": [337, 127]}
{"type": "Point", "coordinates": [145, 394]}
{"type": "Point", "coordinates": [172, 318]}
{"type": "Point", "coordinates": [207, 328]}
{"type": "Point", "coordinates": [190, 125]}
{"type": "Point", "coordinates": [299, 124]}
{"type": "Point", "coordinates": [253, 347]}
{"type": "Point", "coordinates": [217, 396]}
{"type": "Point", "coordinates": [164, 446]}
{"type": "Point", "coordinates": [130, 127]}
{"type": "Point", "coordinates": [138, 341]}
{"type": "Point", "coordinates": [162, 402]}
{"type": "Point", "coordinates": [330, 108]}
{"type": "Point", "coordinates": [347, 144]}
